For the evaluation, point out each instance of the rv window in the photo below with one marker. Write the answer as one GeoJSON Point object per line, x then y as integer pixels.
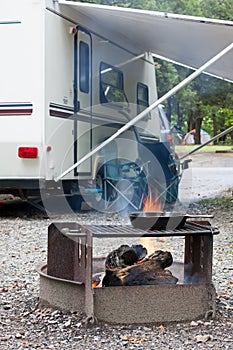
{"type": "Point", "coordinates": [83, 67]}
{"type": "Point", "coordinates": [111, 85]}
{"type": "Point", "coordinates": [142, 99]}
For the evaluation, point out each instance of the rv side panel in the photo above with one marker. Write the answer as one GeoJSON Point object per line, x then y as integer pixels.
{"type": "Point", "coordinates": [22, 81]}
{"type": "Point", "coordinates": [59, 71]}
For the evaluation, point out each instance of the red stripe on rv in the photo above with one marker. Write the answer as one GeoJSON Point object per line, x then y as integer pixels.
{"type": "Point", "coordinates": [12, 112]}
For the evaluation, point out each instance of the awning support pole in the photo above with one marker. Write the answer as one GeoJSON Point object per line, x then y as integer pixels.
{"type": "Point", "coordinates": [147, 110]}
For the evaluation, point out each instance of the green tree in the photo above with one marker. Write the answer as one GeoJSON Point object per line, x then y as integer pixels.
{"type": "Point", "coordinates": [220, 9]}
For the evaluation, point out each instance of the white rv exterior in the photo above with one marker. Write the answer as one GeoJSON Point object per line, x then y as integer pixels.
{"type": "Point", "coordinates": [64, 89]}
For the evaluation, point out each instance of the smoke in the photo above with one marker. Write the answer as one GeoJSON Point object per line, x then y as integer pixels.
{"type": "Point", "coordinates": [100, 184]}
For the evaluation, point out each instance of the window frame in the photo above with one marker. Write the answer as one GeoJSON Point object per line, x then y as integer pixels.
{"type": "Point", "coordinates": [119, 86]}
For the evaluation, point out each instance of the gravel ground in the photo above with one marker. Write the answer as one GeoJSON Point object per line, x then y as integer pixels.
{"type": "Point", "coordinates": [24, 325]}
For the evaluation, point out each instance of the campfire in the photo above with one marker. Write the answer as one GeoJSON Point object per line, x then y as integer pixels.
{"type": "Point", "coordinates": [130, 266]}
{"type": "Point", "coordinates": [151, 203]}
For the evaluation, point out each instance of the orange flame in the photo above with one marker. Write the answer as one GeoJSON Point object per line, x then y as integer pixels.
{"type": "Point", "coordinates": [94, 284]}
{"type": "Point", "coordinates": [151, 202]}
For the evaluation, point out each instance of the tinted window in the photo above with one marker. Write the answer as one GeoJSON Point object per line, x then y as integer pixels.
{"type": "Point", "coordinates": [142, 98]}
{"type": "Point", "coordinates": [111, 85]}
{"type": "Point", "coordinates": [83, 67]}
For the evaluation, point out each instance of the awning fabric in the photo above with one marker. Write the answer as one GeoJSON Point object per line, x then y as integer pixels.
{"type": "Point", "coordinates": [190, 41]}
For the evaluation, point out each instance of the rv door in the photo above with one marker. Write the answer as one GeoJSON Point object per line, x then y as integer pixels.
{"type": "Point", "coordinates": [82, 99]}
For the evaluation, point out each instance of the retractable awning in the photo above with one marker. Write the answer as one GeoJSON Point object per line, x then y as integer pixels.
{"type": "Point", "coordinates": [203, 44]}
{"type": "Point", "coordinates": [186, 40]}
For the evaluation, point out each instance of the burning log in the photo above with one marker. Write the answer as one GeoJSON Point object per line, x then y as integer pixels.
{"type": "Point", "coordinates": [125, 256]}
{"type": "Point", "coordinates": [119, 258]}
{"type": "Point", "coordinates": [149, 271]}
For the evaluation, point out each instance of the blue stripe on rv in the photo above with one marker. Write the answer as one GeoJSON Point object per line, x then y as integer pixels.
{"type": "Point", "coordinates": [10, 22]}
{"type": "Point", "coordinates": [15, 108]}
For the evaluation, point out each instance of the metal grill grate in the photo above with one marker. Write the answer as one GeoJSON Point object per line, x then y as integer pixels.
{"type": "Point", "coordinates": [190, 228]}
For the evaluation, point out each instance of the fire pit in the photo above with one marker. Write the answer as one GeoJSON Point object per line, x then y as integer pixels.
{"type": "Point", "coordinates": [66, 280]}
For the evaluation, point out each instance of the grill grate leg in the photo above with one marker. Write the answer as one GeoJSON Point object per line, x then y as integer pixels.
{"type": "Point", "coordinates": [198, 258]}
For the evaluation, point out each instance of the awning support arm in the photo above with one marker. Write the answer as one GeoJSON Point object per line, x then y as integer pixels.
{"type": "Point", "coordinates": [141, 115]}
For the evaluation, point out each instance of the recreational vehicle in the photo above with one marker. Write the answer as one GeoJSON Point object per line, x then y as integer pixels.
{"type": "Point", "coordinates": [74, 79]}
{"type": "Point", "coordinates": [65, 89]}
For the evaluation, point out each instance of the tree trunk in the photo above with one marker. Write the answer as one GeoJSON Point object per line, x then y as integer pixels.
{"type": "Point", "coordinates": [191, 124]}
{"type": "Point", "coordinates": [215, 127]}
{"type": "Point", "coordinates": [179, 114]}
{"type": "Point", "coordinates": [197, 136]}
{"type": "Point", "coordinates": [169, 110]}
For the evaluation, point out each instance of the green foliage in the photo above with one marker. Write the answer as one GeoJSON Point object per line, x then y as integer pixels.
{"type": "Point", "coordinates": [221, 9]}
{"type": "Point", "coordinates": [220, 202]}
{"type": "Point", "coordinates": [230, 251]}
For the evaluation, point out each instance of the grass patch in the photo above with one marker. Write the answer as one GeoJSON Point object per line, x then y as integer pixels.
{"type": "Point", "coordinates": [230, 252]}
{"type": "Point", "coordinates": [214, 148]}
{"type": "Point", "coordinates": [220, 202]}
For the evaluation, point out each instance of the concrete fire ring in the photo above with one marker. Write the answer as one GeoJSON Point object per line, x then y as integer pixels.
{"type": "Point", "coordinates": [131, 304]}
